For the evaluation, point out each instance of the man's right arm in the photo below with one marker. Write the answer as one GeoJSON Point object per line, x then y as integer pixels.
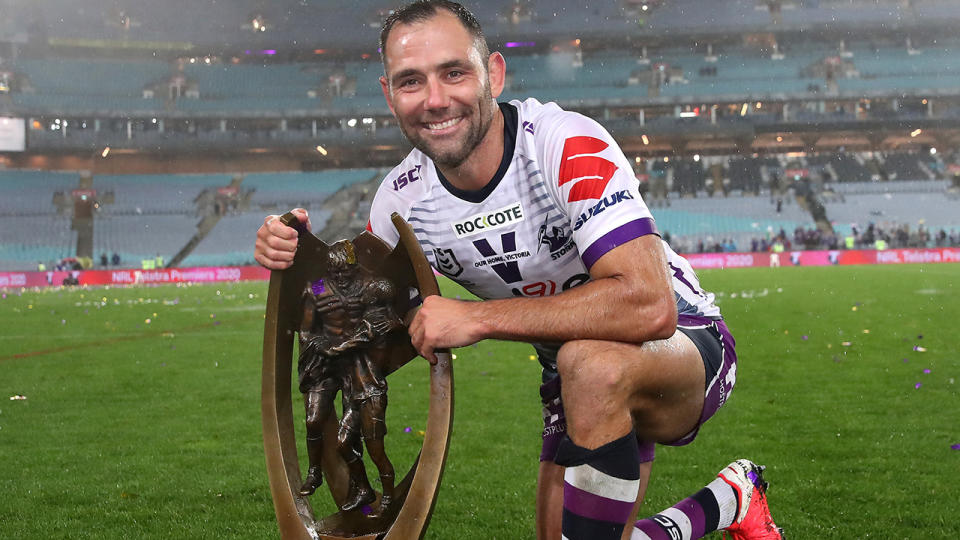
{"type": "Point", "coordinates": [276, 243]}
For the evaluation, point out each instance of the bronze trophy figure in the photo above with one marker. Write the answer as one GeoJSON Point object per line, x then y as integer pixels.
{"type": "Point", "coordinates": [343, 347]}
{"type": "Point", "coordinates": [346, 302]}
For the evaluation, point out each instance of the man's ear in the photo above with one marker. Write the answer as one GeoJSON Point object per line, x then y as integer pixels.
{"type": "Point", "coordinates": [385, 86]}
{"type": "Point", "coordinates": [497, 72]}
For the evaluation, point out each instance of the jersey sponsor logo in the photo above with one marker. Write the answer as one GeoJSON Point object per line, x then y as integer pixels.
{"type": "Point", "coordinates": [504, 264]}
{"type": "Point", "coordinates": [610, 200]}
{"type": "Point", "coordinates": [407, 178]}
{"type": "Point", "coordinates": [447, 262]}
{"type": "Point", "coordinates": [549, 287]}
{"type": "Point", "coordinates": [489, 221]}
{"type": "Point", "coordinates": [589, 173]}
{"type": "Point", "coordinates": [555, 239]}
{"type": "Point", "coordinates": [528, 127]}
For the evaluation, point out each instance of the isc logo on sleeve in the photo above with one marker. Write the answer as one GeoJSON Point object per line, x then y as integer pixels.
{"type": "Point", "coordinates": [489, 221]}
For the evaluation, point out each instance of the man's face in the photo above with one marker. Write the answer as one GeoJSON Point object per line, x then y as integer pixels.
{"type": "Point", "coordinates": [438, 88]}
{"type": "Point", "coordinates": [341, 276]}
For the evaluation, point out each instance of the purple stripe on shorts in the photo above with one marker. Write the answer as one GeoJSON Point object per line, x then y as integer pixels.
{"type": "Point", "coordinates": [621, 235]}
{"type": "Point", "coordinates": [693, 510]}
{"type": "Point", "coordinates": [720, 389]}
{"type": "Point", "coordinates": [586, 504]}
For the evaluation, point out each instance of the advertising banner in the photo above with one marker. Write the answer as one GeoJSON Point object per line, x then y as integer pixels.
{"type": "Point", "coordinates": [214, 274]}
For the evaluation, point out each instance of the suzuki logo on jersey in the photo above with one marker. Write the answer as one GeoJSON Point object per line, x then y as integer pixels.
{"type": "Point", "coordinates": [554, 239]}
{"type": "Point", "coordinates": [608, 201]}
{"type": "Point", "coordinates": [489, 221]}
{"type": "Point", "coordinates": [505, 265]}
{"type": "Point", "coordinates": [447, 262]}
{"type": "Point", "coordinates": [590, 173]}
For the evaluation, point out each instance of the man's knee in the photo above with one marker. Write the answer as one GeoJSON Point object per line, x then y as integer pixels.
{"type": "Point", "coordinates": [592, 367]}
{"type": "Point", "coordinates": [315, 415]}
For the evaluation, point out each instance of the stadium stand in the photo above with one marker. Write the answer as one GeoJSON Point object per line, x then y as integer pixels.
{"type": "Point", "coordinates": [151, 215]}
{"type": "Point", "coordinates": [229, 242]}
{"type": "Point", "coordinates": [675, 80]}
{"type": "Point", "coordinates": [932, 209]}
{"type": "Point", "coordinates": [745, 174]}
{"type": "Point", "coordinates": [27, 242]}
{"type": "Point", "coordinates": [287, 190]}
{"type": "Point", "coordinates": [138, 237]}
{"type": "Point", "coordinates": [156, 193]}
{"type": "Point", "coordinates": [738, 219]}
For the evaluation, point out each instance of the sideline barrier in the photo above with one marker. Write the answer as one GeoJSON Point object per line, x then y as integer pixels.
{"type": "Point", "coordinates": [136, 277]}
{"type": "Point", "coordinates": [697, 260]}
{"type": "Point", "coordinates": [823, 258]}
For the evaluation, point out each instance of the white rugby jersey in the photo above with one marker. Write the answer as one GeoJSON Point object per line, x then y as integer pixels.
{"type": "Point", "coordinates": [564, 195]}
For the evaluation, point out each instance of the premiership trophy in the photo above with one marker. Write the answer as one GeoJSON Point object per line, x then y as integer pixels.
{"type": "Point", "coordinates": [345, 304]}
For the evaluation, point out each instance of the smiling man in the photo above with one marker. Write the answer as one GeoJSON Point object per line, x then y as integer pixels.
{"type": "Point", "coordinates": [536, 211]}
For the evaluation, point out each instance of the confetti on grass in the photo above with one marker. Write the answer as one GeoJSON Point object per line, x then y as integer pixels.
{"type": "Point", "coordinates": [917, 386]}
{"type": "Point", "coordinates": [955, 447]}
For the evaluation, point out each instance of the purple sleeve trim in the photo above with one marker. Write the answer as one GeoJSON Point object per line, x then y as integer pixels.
{"type": "Point", "coordinates": [620, 235]}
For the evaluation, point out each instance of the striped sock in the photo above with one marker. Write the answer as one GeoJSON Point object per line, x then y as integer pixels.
{"type": "Point", "coordinates": [599, 488]}
{"type": "Point", "coordinates": [713, 507]}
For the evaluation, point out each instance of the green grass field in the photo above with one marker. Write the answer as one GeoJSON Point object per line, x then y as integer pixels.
{"type": "Point", "coordinates": [142, 419]}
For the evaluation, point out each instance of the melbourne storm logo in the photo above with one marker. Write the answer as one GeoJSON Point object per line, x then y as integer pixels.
{"type": "Point", "coordinates": [554, 238]}
{"type": "Point", "coordinates": [447, 262]}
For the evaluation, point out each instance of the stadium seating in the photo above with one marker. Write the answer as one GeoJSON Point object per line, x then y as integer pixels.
{"type": "Point", "coordinates": [25, 193]}
{"type": "Point", "coordinates": [932, 209]}
{"type": "Point", "coordinates": [156, 193]}
{"type": "Point", "coordinates": [900, 166]}
{"type": "Point", "coordinates": [286, 190]}
{"type": "Point", "coordinates": [153, 215]}
{"type": "Point", "coordinates": [849, 168]}
{"type": "Point", "coordinates": [229, 243]}
{"type": "Point", "coordinates": [738, 218]}
{"type": "Point", "coordinates": [77, 86]}
{"type": "Point", "coordinates": [745, 174]}
{"type": "Point", "coordinates": [24, 242]}
{"type": "Point", "coordinates": [138, 237]}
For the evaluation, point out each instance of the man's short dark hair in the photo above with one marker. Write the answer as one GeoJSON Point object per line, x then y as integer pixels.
{"type": "Point", "coordinates": [422, 10]}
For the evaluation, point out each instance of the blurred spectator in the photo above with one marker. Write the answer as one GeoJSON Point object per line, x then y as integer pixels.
{"type": "Point", "coordinates": [887, 236]}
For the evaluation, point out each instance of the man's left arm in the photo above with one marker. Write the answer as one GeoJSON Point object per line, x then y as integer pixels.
{"type": "Point", "coordinates": [630, 299]}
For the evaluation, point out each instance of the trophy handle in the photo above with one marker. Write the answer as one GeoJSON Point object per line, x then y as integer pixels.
{"type": "Point", "coordinates": [413, 519]}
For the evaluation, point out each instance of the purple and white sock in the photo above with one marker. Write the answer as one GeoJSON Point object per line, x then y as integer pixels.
{"type": "Point", "coordinates": [599, 488]}
{"type": "Point", "coordinates": [713, 507]}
